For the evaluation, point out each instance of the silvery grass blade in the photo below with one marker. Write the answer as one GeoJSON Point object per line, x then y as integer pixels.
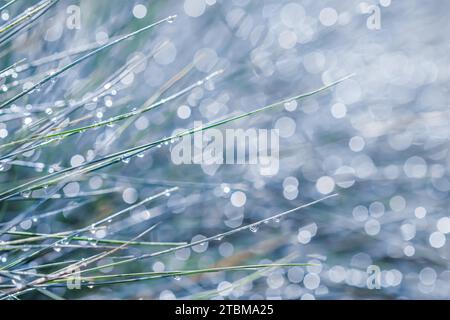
{"type": "Point", "coordinates": [83, 58]}
{"type": "Point", "coordinates": [69, 237]}
{"type": "Point", "coordinates": [6, 5]}
{"type": "Point", "coordinates": [55, 57]}
{"type": "Point", "coordinates": [5, 72]}
{"type": "Point", "coordinates": [60, 247]}
{"type": "Point", "coordinates": [144, 276]}
{"type": "Point", "coordinates": [166, 86]}
{"type": "Point", "coordinates": [27, 14]}
{"type": "Point", "coordinates": [16, 220]}
{"type": "Point", "coordinates": [94, 165]}
{"type": "Point", "coordinates": [68, 208]}
{"type": "Point", "coordinates": [48, 125]}
{"type": "Point", "coordinates": [61, 263]}
{"type": "Point", "coordinates": [59, 196]}
{"type": "Point", "coordinates": [93, 281]}
{"type": "Point", "coordinates": [58, 119]}
{"type": "Point", "coordinates": [33, 237]}
{"type": "Point", "coordinates": [216, 237]}
{"type": "Point", "coordinates": [100, 92]}
{"type": "Point", "coordinates": [66, 272]}
{"type": "Point", "coordinates": [117, 118]}
{"type": "Point", "coordinates": [247, 279]}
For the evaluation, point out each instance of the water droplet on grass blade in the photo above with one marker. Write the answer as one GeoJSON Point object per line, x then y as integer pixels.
{"type": "Point", "coordinates": [26, 193]}
{"type": "Point", "coordinates": [171, 19]}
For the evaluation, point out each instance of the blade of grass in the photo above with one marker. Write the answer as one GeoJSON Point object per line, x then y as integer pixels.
{"type": "Point", "coordinates": [125, 154]}
{"type": "Point", "coordinates": [75, 233]}
{"type": "Point", "coordinates": [141, 276]}
{"type": "Point", "coordinates": [118, 118]}
{"type": "Point", "coordinates": [6, 5]}
{"type": "Point", "coordinates": [81, 59]}
{"type": "Point", "coordinates": [42, 236]}
{"type": "Point", "coordinates": [26, 15]}
{"type": "Point", "coordinates": [215, 237]}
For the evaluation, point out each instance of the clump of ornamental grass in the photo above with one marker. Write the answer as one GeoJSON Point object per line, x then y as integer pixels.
{"type": "Point", "coordinates": [91, 252]}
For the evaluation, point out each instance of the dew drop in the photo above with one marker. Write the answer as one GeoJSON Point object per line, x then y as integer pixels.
{"type": "Point", "coordinates": [26, 193]}
{"type": "Point", "coordinates": [171, 19]}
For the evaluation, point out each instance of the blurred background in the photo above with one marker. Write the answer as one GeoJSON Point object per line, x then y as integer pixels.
{"type": "Point", "coordinates": [379, 140]}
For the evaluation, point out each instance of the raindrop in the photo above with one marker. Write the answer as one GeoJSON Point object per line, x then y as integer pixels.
{"type": "Point", "coordinates": [26, 193]}
{"type": "Point", "coordinates": [171, 19]}
{"type": "Point", "coordinates": [254, 228]}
